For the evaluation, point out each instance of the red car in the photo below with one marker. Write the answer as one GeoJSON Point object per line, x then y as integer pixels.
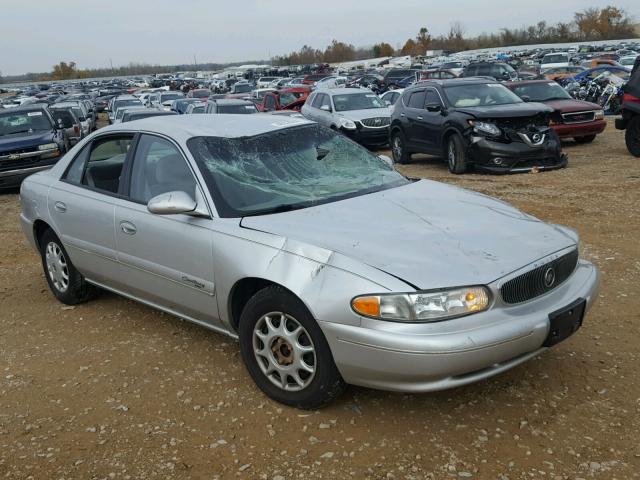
{"type": "Point", "coordinates": [311, 79]}
{"type": "Point", "coordinates": [572, 118]}
{"type": "Point", "coordinates": [286, 99]}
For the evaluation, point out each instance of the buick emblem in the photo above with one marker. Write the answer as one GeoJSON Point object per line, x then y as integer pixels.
{"type": "Point", "coordinates": [377, 121]}
{"type": "Point", "coordinates": [549, 277]}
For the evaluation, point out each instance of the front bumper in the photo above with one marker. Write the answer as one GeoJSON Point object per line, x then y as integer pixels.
{"type": "Point", "coordinates": [580, 129]}
{"type": "Point", "coordinates": [515, 156]}
{"type": "Point", "coordinates": [436, 356]}
{"type": "Point", "coordinates": [371, 137]}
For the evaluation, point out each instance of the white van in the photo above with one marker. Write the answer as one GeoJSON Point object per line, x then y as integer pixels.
{"type": "Point", "coordinates": [554, 60]}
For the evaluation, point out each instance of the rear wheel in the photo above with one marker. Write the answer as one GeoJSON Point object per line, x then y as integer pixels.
{"type": "Point", "coordinates": [65, 282]}
{"type": "Point", "coordinates": [399, 148]}
{"type": "Point", "coordinates": [286, 352]}
{"type": "Point", "coordinates": [456, 156]}
{"type": "Point", "coordinates": [632, 136]}
{"type": "Point", "coordinates": [586, 139]}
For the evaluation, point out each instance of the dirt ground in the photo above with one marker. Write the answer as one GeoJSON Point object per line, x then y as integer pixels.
{"type": "Point", "coordinates": [113, 389]}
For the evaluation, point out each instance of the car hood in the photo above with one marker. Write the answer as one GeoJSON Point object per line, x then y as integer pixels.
{"type": "Point", "coordinates": [569, 105]}
{"type": "Point", "coordinates": [19, 141]}
{"type": "Point", "coordinates": [428, 234]}
{"type": "Point", "coordinates": [357, 115]}
{"type": "Point", "coordinates": [512, 110]}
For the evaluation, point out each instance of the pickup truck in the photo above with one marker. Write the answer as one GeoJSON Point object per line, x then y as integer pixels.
{"type": "Point", "coordinates": [286, 99]}
{"type": "Point", "coordinates": [30, 140]}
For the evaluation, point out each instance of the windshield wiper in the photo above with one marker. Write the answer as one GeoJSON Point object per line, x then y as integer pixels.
{"type": "Point", "coordinates": [283, 207]}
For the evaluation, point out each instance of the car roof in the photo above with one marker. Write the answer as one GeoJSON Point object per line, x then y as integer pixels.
{"type": "Point", "coordinates": [345, 91]}
{"type": "Point", "coordinates": [25, 108]}
{"type": "Point", "coordinates": [448, 82]}
{"type": "Point", "coordinates": [231, 101]}
{"type": "Point", "coordinates": [184, 127]}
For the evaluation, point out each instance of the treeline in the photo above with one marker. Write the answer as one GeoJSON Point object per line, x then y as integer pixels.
{"type": "Point", "coordinates": [591, 24]}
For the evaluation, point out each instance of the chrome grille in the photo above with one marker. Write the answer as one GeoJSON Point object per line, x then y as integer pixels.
{"type": "Point", "coordinates": [535, 282]}
{"type": "Point", "coordinates": [376, 122]}
{"type": "Point", "coordinates": [578, 117]}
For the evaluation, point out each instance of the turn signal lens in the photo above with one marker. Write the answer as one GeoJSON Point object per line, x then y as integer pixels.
{"type": "Point", "coordinates": [369, 306]}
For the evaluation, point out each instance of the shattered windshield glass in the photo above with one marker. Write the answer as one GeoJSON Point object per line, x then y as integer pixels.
{"type": "Point", "coordinates": [288, 169]}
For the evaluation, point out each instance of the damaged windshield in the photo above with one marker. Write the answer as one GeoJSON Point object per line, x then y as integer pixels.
{"type": "Point", "coordinates": [288, 169]}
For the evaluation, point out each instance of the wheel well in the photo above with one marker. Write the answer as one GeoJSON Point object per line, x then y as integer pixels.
{"type": "Point", "coordinates": [39, 227]}
{"type": "Point", "coordinates": [241, 292]}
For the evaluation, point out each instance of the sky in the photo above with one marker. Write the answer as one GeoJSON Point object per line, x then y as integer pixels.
{"type": "Point", "coordinates": [37, 34]}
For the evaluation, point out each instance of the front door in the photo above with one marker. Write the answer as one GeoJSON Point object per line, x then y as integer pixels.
{"type": "Point", "coordinates": [429, 123]}
{"type": "Point", "coordinates": [166, 259]}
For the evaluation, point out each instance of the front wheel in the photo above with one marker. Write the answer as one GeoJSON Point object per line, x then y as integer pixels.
{"type": "Point", "coordinates": [399, 148]}
{"type": "Point", "coordinates": [456, 156]}
{"type": "Point", "coordinates": [286, 352]}
{"type": "Point", "coordinates": [632, 136]}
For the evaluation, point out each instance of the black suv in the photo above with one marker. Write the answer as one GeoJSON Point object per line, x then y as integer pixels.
{"type": "Point", "coordinates": [503, 72]}
{"type": "Point", "coordinates": [474, 122]}
{"type": "Point", "coordinates": [630, 120]}
{"type": "Point", "coordinates": [392, 76]}
{"type": "Point", "coordinates": [30, 140]}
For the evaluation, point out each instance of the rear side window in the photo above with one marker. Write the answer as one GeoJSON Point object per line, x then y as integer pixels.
{"type": "Point", "coordinates": [99, 165]}
{"type": "Point", "coordinates": [416, 100]}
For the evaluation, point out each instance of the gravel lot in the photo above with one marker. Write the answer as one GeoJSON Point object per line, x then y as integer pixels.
{"type": "Point", "coordinates": [113, 389]}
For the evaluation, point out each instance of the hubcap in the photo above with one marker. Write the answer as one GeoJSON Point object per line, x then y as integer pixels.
{"type": "Point", "coordinates": [284, 351]}
{"type": "Point", "coordinates": [57, 267]}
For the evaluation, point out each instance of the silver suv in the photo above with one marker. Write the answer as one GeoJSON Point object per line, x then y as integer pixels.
{"type": "Point", "coordinates": [358, 113]}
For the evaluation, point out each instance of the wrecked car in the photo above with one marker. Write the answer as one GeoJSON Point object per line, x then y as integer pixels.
{"type": "Point", "coordinates": [277, 233]}
{"type": "Point", "coordinates": [474, 122]}
{"type": "Point", "coordinates": [571, 118]}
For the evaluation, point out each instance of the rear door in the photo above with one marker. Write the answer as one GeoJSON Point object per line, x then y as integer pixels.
{"type": "Point", "coordinates": [166, 259]}
{"type": "Point", "coordinates": [82, 207]}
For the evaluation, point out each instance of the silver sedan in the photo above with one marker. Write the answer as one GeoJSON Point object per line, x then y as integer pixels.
{"type": "Point", "coordinates": [328, 265]}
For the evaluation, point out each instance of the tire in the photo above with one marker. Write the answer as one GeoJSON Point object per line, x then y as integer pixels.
{"type": "Point", "coordinates": [273, 355]}
{"type": "Point", "coordinates": [632, 136]}
{"type": "Point", "coordinates": [455, 154]}
{"type": "Point", "coordinates": [585, 139]}
{"type": "Point", "coordinates": [56, 264]}
{"type": "Point", "coordinates": [399, 148]}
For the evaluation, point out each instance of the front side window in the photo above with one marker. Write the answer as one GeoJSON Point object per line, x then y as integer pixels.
{"type": "Point", "coordinates": [432, 97]}
{"type": "Point", "coordinates": [159, 167]}
{"type": "Point", "coordinates": [288, 169]}
{"type": "Point", "coordinates": [104, 166]}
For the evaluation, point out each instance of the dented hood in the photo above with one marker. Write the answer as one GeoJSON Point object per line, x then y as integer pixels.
{"type": "Point", "coordinates": [428, 234]}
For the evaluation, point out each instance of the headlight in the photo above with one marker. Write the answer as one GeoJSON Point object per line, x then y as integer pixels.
{"type": "Point", "coordinates": [599, 115]}
{"type": "Point", "coordinates": [48, 146]}
{"type": "Point", "coordinates": [347, 124]}
{"type": "Point", "coordinates": [486, 128]}
{"type": "Point", "coordinates": [423, 306]}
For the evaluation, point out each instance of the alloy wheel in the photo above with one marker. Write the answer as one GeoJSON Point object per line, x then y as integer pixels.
{"type": "Point", "coordinates": [284, 351]}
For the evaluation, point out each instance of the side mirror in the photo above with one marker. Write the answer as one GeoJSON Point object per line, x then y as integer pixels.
{"type": "Point", "coordinates": [325, 108]}
{"type": "Point", "coordinates": [434, 108]}
{"type": "Point", "coordinates": [526, 98]}
{"type": "Point", "coordinates": [387, 103]}
{"type": "Point", "coordinates": [171, 203]}
{"type": "Point", "coordinates": [386, 160]}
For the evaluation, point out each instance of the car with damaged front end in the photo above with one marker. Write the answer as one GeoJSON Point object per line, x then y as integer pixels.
{"type": "Point", "coordinates": [474, 122]}
{"type": "Point", "coordinates": [327, 265]}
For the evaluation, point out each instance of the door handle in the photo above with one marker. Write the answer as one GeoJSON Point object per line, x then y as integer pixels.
{"type": "Point", "coordinates": [60, 207]}
{"type": "Point", "coordinates": [128, 228]}
{"type": "Point", "coordinates": [420, 118]}
{"type": "Point", "coordinates": [402, 115]}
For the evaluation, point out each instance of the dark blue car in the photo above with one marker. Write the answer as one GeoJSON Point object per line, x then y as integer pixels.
{"type": "Point", "coordinates": [30, 141]}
